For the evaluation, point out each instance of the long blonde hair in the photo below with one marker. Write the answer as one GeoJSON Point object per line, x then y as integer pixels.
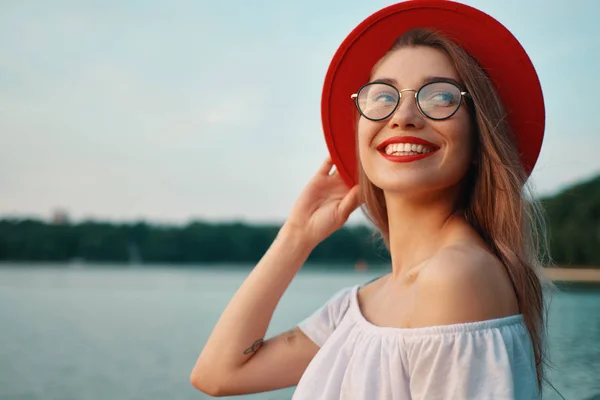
{"type": "Point", "coordinates": [494, 198]}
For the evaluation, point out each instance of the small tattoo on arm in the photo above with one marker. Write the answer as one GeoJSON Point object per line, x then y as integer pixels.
{"type": "Point", "coordinates": [254, 348]}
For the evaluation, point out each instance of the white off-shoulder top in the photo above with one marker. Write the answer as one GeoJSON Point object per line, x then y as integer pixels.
{"type": "Point", "coordinates": [357, 360]}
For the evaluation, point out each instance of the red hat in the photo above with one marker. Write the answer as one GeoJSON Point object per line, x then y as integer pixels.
{"type": "Point", "coordinates": [487, 40]}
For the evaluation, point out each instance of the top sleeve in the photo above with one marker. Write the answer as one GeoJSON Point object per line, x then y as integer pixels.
{"type": "Point", "coordinates": [483, 365]}
{"type": "Point", "coordinates": [321, 323]}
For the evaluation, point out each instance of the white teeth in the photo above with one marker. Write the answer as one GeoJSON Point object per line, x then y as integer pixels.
{"type": "Point", "coordinates": [407, 148]}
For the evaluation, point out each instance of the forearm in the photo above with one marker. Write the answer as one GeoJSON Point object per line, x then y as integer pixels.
{"type": "Point", "coordinates": [243, 324]}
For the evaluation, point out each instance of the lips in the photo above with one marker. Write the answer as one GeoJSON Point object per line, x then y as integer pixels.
{"type": "Point", "coordinates": [405, 139]}
{"type": "Point", "coordinates": [407, 157]}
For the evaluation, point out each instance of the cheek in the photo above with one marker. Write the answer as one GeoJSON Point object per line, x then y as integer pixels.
{"type": "Point", "coordinates": [461, 136]}
{"type": "Point", "coordinates": [366, 131]}
{"type": "Point", "coordinates": [458, 129]}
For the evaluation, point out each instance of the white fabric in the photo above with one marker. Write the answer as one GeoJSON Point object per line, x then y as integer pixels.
{"type": "Point", "coordinates": [357, 360]}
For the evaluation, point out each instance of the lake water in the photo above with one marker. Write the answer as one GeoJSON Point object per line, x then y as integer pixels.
{"type": "Point", "coordinates": [134, 333]}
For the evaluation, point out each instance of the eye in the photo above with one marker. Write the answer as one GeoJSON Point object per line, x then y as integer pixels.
{"type": "Point", "coordinates": [383, 97]}
{"type": "Point", "coordinates": [442, 98]}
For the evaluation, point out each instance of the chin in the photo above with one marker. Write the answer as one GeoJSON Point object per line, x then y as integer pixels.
{"type": "Point", "coordinates": [415, 179]}
{"type": "Point", "coordinates": [400, 181]}
{"type": "Point", "coordinates": [414, 183]}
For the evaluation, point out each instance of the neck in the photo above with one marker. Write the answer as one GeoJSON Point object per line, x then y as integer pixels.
{"type": "Point", "coordinates": [418, 228]}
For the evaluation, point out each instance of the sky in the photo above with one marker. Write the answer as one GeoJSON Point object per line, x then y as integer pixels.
{"type": "Point", "coordinates": [172, 111]}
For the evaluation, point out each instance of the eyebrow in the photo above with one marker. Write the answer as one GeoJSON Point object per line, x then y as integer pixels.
{"type": "Point", "coordinates": [427, 79]}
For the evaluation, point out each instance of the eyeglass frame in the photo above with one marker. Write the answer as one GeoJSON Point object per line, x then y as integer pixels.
{"type": "Point", "coordinates": [463, 93]}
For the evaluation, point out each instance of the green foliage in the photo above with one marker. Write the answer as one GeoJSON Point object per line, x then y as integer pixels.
{"type": "Point", "coordinates": [574, 224]}
{"type": "Point", "coordinates": [573, 220]}
{"type": "Point", "coordinates": [197, 242]}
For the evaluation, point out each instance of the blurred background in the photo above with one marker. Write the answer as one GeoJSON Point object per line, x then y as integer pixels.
{"type": "Point", "coordinates": [149, 152]}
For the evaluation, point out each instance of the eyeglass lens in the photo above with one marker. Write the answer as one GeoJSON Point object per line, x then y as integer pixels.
{"type": "Point", "coordinates": [437, 100]}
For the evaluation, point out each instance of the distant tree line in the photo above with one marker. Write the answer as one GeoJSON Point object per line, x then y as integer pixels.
{"type": "Point", "coordinates": [197, 242]}
{"type": "Point", "coordinates": [573, 216]}
{"type": "Point", "coordinates": [574, 224]}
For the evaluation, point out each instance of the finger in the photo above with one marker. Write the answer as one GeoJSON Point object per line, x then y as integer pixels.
{"type": "Point", "coordinates": [350, 202]}
{"type": "Point", "coordinates": [326, 166]}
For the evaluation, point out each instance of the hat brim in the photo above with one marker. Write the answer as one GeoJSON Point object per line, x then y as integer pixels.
{"type": "Point", "coordinates": [487, 40]}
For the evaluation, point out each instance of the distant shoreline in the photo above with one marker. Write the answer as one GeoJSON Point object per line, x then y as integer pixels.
{"type": "Point", "coordinates": [582, 274]}
{"type": "Point", "coordinates": [573, 274]}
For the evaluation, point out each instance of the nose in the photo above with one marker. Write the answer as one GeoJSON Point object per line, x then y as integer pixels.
{"type": "Point", "coordinates": [407, 115]}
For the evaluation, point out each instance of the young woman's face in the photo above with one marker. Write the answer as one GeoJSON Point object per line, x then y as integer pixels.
{"type": "Point", "coordinates": [446, 145]}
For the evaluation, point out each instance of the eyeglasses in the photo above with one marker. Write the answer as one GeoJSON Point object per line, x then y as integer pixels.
{"type": "Point", "coordinates": [436, 100]}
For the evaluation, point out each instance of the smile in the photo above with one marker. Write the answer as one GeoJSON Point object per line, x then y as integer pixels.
{"type": "Point", "coordinates": [406, 149]}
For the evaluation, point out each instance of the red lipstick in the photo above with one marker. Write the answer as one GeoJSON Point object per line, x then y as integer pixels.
{"type": "Point", "coordinates": [406, 139]}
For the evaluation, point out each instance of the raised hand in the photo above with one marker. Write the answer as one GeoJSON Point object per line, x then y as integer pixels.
{"type": "Point", "coordinates": [324, 205]}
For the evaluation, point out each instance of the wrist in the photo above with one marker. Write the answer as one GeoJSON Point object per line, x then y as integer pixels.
{"type": "Point", "coordinates": [296, 239]}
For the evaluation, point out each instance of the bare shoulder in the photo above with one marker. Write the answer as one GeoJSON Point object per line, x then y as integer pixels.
{"type": "Point", "coordinates": [463, 283]}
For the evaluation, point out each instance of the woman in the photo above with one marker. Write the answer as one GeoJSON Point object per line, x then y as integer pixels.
{"type": "Point", "coordinates": [445, 137]}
